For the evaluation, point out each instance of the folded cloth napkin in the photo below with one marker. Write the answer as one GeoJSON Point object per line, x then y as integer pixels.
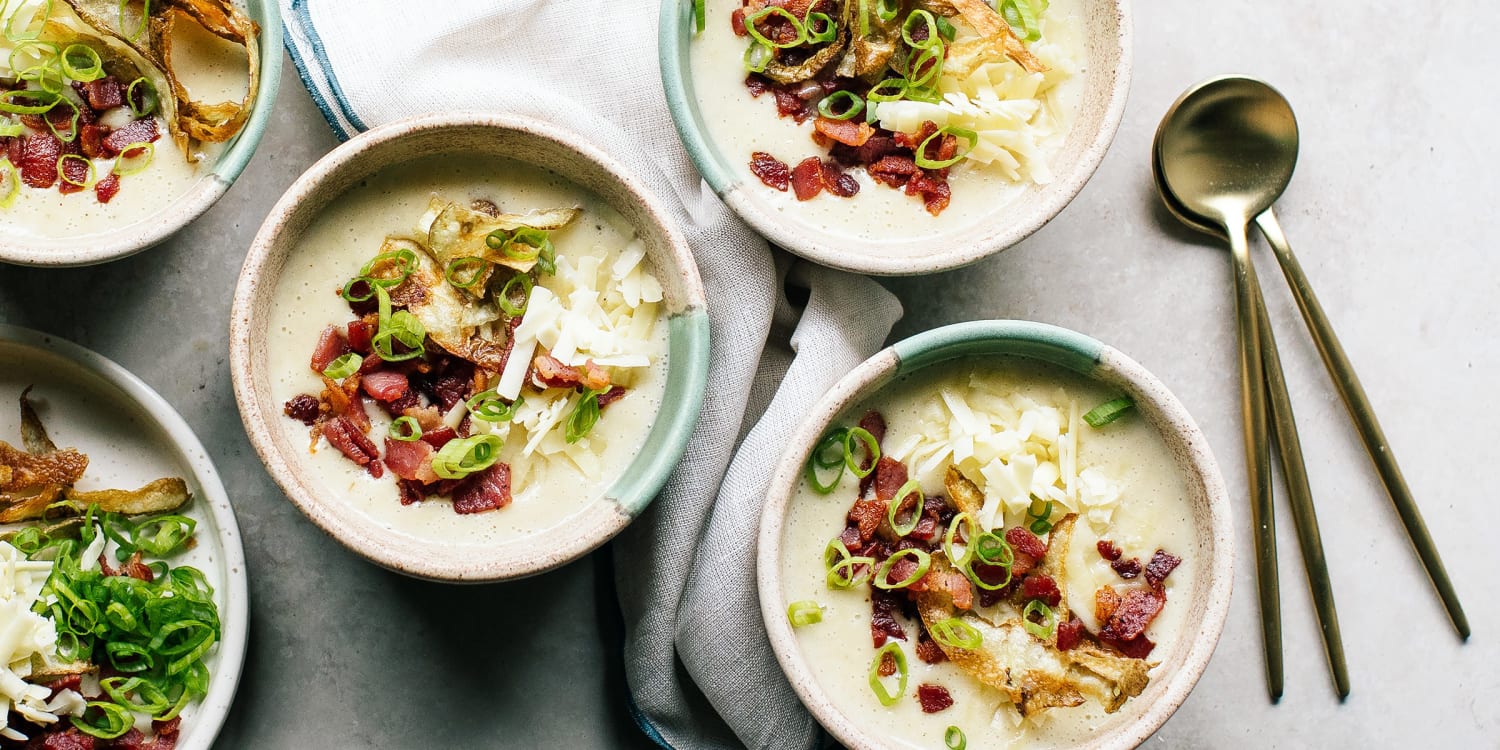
{"type": "Point", "coordinates": [699, 667]}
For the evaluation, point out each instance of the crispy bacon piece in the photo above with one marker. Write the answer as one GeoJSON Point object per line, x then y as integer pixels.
{"type": "Point", "coordinates": [488, 490]}
{"type": "Point", "coordinates": [893, 170]}
{"type": "Point", "coordinates": [449, 390]}
{"type": "Point", "coordinates": [77, 174]}
{"type": "Point", "coordinates": [757, 84]}
{"type": "Point", "coordinates": [933, 698]}
{"type": "Point", "coordinates": [39, 155]}
{"type": "Point", "coordinates": [594, 377]}
{"type": "Point", "coordinates": [410, 459]}
{"type": "Point", "coordinates": [1038, 586]}
{"type": "Point", "coordinates": [887, 665]}
{"type": "Point", "coordinates": [838, 183]}
{"type": "Point", "coordinates": [848, 132]}
{"type": "Point", "coordinates": [807, 178]}
{"type": "Point", "coordinates": [1136, 610]}
{"type": "Point", "coordinates": [352, 442]}
{"type": "Point", "coordinates": [1161, 566]}
{"type": "Point", "coordinates": [883, 607]}
{"type": "Point", "coordinates": [104, 93]}
{"type": "Point", "coordinates": [360, 332]}
{"type": "Point", "coordinates": [955, 584]}
{"type": "Point", "coordinates": [67, 739]}
{"type": "Point", "coordinates": [91, 140]}
{"type": "Point", "coordinates": [1022, 564]}
{"type": "Point", "coordinates": [551, 372]}
{"type": "Point", "coordinates": [773, 172]}
{"type": "Point", "coordinates": [788, 104]}
{"type": "Point", "coordinates": [1138, 647]}
{"type": "Point", "coordinates": [439, 437]}
{"type": "Point", "coordinates": [1022, 540]}
{"type": "Point", "coordinates": [107, 188]}
{"type": "Point", "coordinates": [330, 346]}
{"type": "Point", "coordinates": [928, 650]}
{"type": "Point", "coordinates": [384, 385]}
{"type": "Point", "coordinates": [903, 569]}
{"type": "Point", "coordinates": [1069, 634]}
{"type": "Point", "coordinates": [737, 22]}
{"type": "Point", "coordinates": [873, 422]}
{"type": "Point", "coordinates": [303, 408]}
{"type": "Point", "coordinates": [615, 393]}
{"type": "Point", "coordinates": [136, 131]}
{"type": "Point", "coordinates": [1128, 568]}
{"type": "Point", "coordinates": [890, 474]}
{"type": "Point", "coordinates": [1108, 550]}
{"type": "Point", "coordinates": [1106, 601]}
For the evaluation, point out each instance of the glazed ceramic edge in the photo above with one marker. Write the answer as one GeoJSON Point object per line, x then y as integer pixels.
{"type": "Point", "coordinates": [1059, 346]}
{"type": "Point", "coordinates": [186, 444]}
{"type": "Point", "coordinates": [205, 192]}
{"type": "Point", "coordinates": [673, 47]}
{"type": "Point", "coordinates": [687, 376]}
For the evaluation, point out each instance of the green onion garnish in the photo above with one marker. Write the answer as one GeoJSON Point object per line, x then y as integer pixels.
{"type": "Point", "coordinates": [902, 529]}
{"type": "Point", "coordinates": [882, 574]}
{"type": "Point", "coordinates": [150, 100]}
{"type": "Point", "coordinates": [1048, 625]}
{"type": "Point", "coordinates": [955, 633]}
{"type": "Point", "coordinates": [872, 449]}
{"type": "Point", "coordinates": [399, 326]}
{"type": "Point", "coordinates": [489, 407]}
{"type": "Point", "coordinates": [805, 612]}
{"type": "Point", "coordinates": [34, 25]}
{"type": "Point", "coordinates": [954, 739]}
{"type": "Point", "coordinates": [48, 99]}
{"type": "Point", "coordinates": [10, 183]}
{"type": "Point", "coordinates": [757, 57]}
{"type": "Point", "coordinates": [826, 33]}
{"type": "Point", "coordinates": [886, 697]}
{"type": "Point", "coordinates": [889, 90]}
{"type": "Point", "coordinates": [347, 293]}
{"type": "Point", "coordinates": [926, 163]}
{"type": "Point", "coordinates": [921, 86]}
{"type": "Point", "coordinates": [81, 63]}
{"type": "Point", "coordinates": [850, 101]}
{"type": "Point", "coordinates": [406, 263]}
{"type": "Point", "coordinates": [546, 260]}
{"type": "Point", "coordinates": [700, 20]}
{"type": "Point", "coordinates": [134, 158]}
{"type": "Point", "coordinates": [62, 172]}
{"type": "Point", "coordinates": [507, 297]}
{"type": "Point", "coordinates": [949, 539]}
{"type": "Point", "coordinates": [162, 536]}
{"type": "Point", "coordinates": [145, 13]}
{"type": "Point", "coordinates": [1041, 511]}
{"type": "Point", "coordinates": [525, 244]}
{"type": "Point", "coordinates": [32, 54]}
{"type": "Point", "coordinates": [945, 29]}
{"type": "Point", "coordinates": [405, 429]}
{"type": "Point", "coordinates": [465, 272]}
{"type": "Point", "coordinates": [828, 454]}
{"type": "Point", "coordinates": [908, 33]}
{"type": "Point", "coordinates": [772, 10]}
{"type": "Point", "coordinates": [1108, 411]}
{"type": "Point", "coordinates": [585, 415]}
{"type": "Point", "coordinates": [72, 131]}
{"type": "Point", "coordinates": [104, 720]}
{"type": "Point", "coordinates": [844, 570]}
{"type": "Point", "coordinates": [461, 457]}
{"type": "Point", "coordinates": [1021, 16]}
{"type": "Point", "coordinates": [887, 9]}
{"type": "Point", "coordinates": [990, 548]}
{"type": "Point", "coordinates": [343, 366]}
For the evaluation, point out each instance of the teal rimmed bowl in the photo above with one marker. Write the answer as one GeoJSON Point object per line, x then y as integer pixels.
{"type": "Point", "coordinates": [572, 157]}
{"type": "Point", "coordinates": [151, 230]}
{"type": "Point", "coordinates": [957, 238]}
{"type": "Point", "coordinates": [1207, 601]}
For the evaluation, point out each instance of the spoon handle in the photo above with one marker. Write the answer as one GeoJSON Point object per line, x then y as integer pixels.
{"type": "Point", "coordinates": [1299, 495]}
{"type": "Point", "coordinates": [1363, 415]}
{"type": "Point", "coordinates": [1257, 453]}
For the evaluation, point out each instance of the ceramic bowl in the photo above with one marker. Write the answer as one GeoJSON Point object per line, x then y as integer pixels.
{"type": "Point", "coordinates": [132, 436]}
{"type": "Point", "coordinates": [1105, 61]}
{"type": "Point", "coordinates": [1207, 601]}
{"type": "Point", "coordinates": [573, 158]}
{"type": "Point", "coordinates": [217, 177]}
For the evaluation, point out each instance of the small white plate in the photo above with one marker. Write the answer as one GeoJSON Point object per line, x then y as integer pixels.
{"type": "Point", "coordinates": [132, 436]}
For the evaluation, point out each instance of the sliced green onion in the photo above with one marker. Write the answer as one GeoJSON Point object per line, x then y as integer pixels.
{"type": "Point", "coordinates": [531, 240]}
{"type": "Point", "coordinates": [343, 366]}
{"type": "Point", "coordinates": [828, 32]}
{"type": "Point", "coordinates": [820, 459]}
{"type": "Point", "coordinates": [990, 549]}
{"type": "Point", "coordinates": [889, 90]}
{"type": "Point", "coordinates": [1021, 16]}
{"type": "Point", "coordinates": [954, 738]}
{"type": "Point", "coordinates": [772, 10]}
{"type": "Point", "coordinates": [757, 57]}
{"type": "Point", "coordinates": [908, 32]}
{"type": "Point", "coordinates": [931, 60]}
{"type": "Point", "coordinates": [402, 327]}
{"type": "Point", "coordinates": [460, 275]}
{"type": "Point", "coordinates": [700, 17]}
{"type": "Point", "coordinates": [585, 415]}
{"type": "Point", "coordinates": [843, 568]}
{"type": "Point", "coordinates": [864, 18]}
{"type": "Point", "coordinates": [546, 260]}
{"type": "Point", "coordinates": [49, 100]}
{"type": "Point", "coordinates": [28, 540]}
{"type": "Point", "coordinates": [805, 612]}
{"type": "Point", "coordinates": [134, 158]}
{"type": "Point", "coordinates": [955, 633]}
{"type": "Point", "coordinates": [352, 296]}
{"type": "Point", "coordinates": [151, 700]}
{"type": "Point", "coordinates": [145, 13]}
{"type": "Point", "coordinates": [872, 448]}
{"type": "Point", "coordinates": [1048, 625]}
{"type": "Point", "coordinates": [463, 456]}
{"type": "Point", "coordinates": [111, 721]}
{"type": "Point", "coordinates": [32, 54]}
{"type": "Point", "coordinates": [34, 25]}
{"type": "Point", "coordinates": [849, 100]}
{"type": "Point", "coordinates": [10, 184]}
{"type": "Point", "coordinates": [945, 29]}
{"type": "Point", "coordinates": [1041, 511]}
{"type": "Point", "coordinates": [72, 131]}
{"type": "Point", "coordinates": [405, 430]}
{"type": "Point", "coordinates": [62, 173]}
{"type": "Point", "coordinates": [91, 69]}
{"type": "Point", "coordinates": [902, 529]}
{"type": "Point", "coordinates": [949, 541]}
{"type": "Point", "coordinates": [1108, 411]}
{"type": "Point", "coordinates": [888, 698]}
{"type": "Point", "coordinates": [926, 163]}
{"type": "Point", "coordinates": [162, 536]}
{"type": "Point", "coordinates": [882, 574]}
{"type": "Point", "coordinates": [507, 296]}
{"type": "Point", "coordinates": [489, 407]}
{"type": "Point", "coordinates": [49, 77]}
{"type": "Point", "coordinates": [406, 263]}
{"type": "Point", "coordinates": [887, 10]}
{"type": "Point", "coordinates": [150, 100]}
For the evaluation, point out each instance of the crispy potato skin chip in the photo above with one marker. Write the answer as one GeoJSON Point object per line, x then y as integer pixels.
{"type": "Point", "coordinates": [28, 471]}
{"type": "Point", "coordinates": [995, 33]}
{"type": "Point", "coordinates": [159, 496]}
{"type": "Point", "coordinates": [33, 433]}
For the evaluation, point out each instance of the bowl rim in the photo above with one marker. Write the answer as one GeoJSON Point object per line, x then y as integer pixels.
{"type": "Point", "coordinates": [622, 500]}
{"type": "Point", "coordinates": [1059, 346]}
{"type": "Point", "coordinates": [204, 192]}
{"type": "Point", "coordinates": [215, 707]}
{"type": "Point", "coordinates": [673, 45]}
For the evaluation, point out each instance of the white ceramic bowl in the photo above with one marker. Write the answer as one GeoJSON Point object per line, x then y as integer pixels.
{"type": "Point", "coordinates": [564, 153]}
{"type": "Point", "coordinates": [1106, 63]}
{"type": "Point", "coordinates": [1207, 601]}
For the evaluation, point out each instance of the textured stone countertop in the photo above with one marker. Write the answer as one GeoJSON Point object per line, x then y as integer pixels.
{"type": "Point", "coordinates": [1392, 211]}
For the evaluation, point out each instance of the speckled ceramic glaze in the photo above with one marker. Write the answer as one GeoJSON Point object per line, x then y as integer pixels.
{"type": "Point", "coordinates": [132, 435]}
{"type": "Point", "coordinates": [204, 193]}
{"type": "Point", "coordinates": [1208, 601]}
{"type": "Point", "coordinates": [1107, 61]}
{"type": "Point", "coordinates": [566, 154]}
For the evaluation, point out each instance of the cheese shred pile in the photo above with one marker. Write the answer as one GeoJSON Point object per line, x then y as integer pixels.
{"type": "Point", "coordinates": [26, 640]}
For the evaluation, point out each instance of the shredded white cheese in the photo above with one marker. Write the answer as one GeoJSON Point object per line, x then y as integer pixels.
{"type": "Point", "coordinates": [25, 636]}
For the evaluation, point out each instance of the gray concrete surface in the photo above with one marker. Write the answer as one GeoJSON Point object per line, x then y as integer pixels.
{"type": "Point", "coordinates": [1391, 210]}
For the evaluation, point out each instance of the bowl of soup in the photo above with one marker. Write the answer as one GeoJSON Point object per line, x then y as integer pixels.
{"type": "Point", "coordinates": [470, 347]}
{"type": "Point", "coordinates": [896, 137]}
{"type": "Point", "coordinates": [121, 122]}
{"type": "Point", "coordinates": [995, 534]}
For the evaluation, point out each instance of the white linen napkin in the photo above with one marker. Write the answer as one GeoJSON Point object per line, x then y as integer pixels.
{"type": "Point", "coordinates": [698, 664]}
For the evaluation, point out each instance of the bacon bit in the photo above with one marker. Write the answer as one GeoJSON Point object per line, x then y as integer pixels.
{"type": "Point", "coordinates": [772, 171]}
{"type": "Point", "coordinates": [137, 131]}
{"type": "Point", "coordinates": [439, 437]}
{"type": "Point", "coordinates": [757, 84]}
{"type": "Point", "coordinates": [893, 170]}
{"type": "Point", "coordinates": [912, 140]}
{"type": "Point", "coordinates": [1135, 612]}
{"type": "Point", "coordinates": [807, 178]}
{"type": "Point", "coordinates": [928, 650]}
{"type": "Point", "coordinates": [936, 193]}
{"type": "Point", "coordinates": [67, 739]}
{"type": "Point", "coordinates": [737, 22]}
{"type": "Point", "coordinates": [412, 402]}
{"type": "Point", "coordinates": [67, 682]}
{"type": "Point", "coordinates": [385, 385]}
{"type": "Point", "coordinates": [352, 442]}
{"type": "Point", "coordinates": [77, 174]}
{"type": "Point", "coordinates": [887, 665]}
{"type": "Point", "coordinates": [39, 155]}
{"type": "Point", "coordinates": [838, 183]}
{"type": "Point", "coordinates": [883, 625]}
{"type": "Point", "coordinates": [1161, 566]}
{"type": "Point", "coordinates": [104, 94]}
{"type": "Point", "coordinates": [488, 490]}
{"type": "Point", "coordinates": [873, 422]}
{"type": "Point", "coordinates": [366, 306]}
{"type": "Point", "coordinates": [410, 459]}
{"type": "Point", "coordinates": [91, 140]}
{"type": "Point", "coordinates": [595, 378]}
{"type": "Point", "coordinates": [449, 390]}
{"type": "Point", "coordinates": [1106, 601]}
{"type": "Point", "coordinates": [1022, 540]}
{"type": "Point", "coordinates": [303, 408]}
{"type": "Point", "coordinates": [409, 492]}
{"type": "Point", "coordinates": [107, 188]}
{"type": "Point", "coordinates": [1108, 550]}
{"type": "Point", "coordinates": [1069, 634]}
{"type": "Point", "coordinates": [552, 373]}
{"type": "Point", "coordinates": [1021, 565]}
{"type": "Point", "coordinates": [788, 104]}
{"type": "Point", "coordinates": [1138, 647]}
{"type": "Point", "coordinates": [15, 149]}
{"type": "Point", "coordinates": [992, 575]}
{"type": "Point", "coordinates": [360, 333]}
{"type": "Point", "coordinates": [903, 569]}
{"type": "Point", "coordinates": [928, 527]}
{"type": "Point", "coordinates": [890, 475]}
{"type": "Point", "coordinates": [933, 698]}
{"type": "Point", "coordinates": [136, 569]}
{"type": "Point", "coordinates": [850, 537]}
{"type": "Point", "coordinates": [956, 585]}
{"type": "Point", "coordinates": [1128, 568]}
{"type": "Point", "coordinates": [1038, 586]}
{"type": "Point", "coordinates": [847, 132]}
{"type": "Point", "coordinates": [615, 393]}
{"type": "Point", "coordinates": [330, 346]}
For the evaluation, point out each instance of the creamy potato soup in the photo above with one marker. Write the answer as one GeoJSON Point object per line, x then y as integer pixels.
{"type": "Point", "coordinates": [543, 358]}
{"type": "Point", "coordinates": [1027, 582]}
